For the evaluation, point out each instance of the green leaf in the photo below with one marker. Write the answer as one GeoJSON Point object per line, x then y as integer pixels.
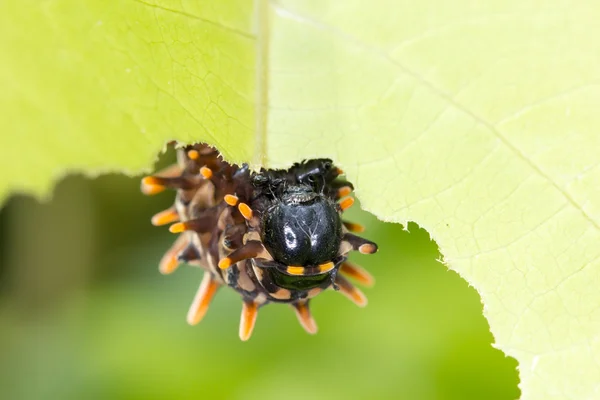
{"type": "Point", "coordinates": [476, 120]}
{"type": "Point", "coordinates": [97, 86]}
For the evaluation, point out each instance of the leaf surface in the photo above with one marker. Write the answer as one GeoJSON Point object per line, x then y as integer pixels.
{"type": "Point", "coordinates": [98, 86]}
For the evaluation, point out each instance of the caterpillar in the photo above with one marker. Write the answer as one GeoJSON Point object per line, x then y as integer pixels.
{"type": "Point", "coordinates": [274, 236]}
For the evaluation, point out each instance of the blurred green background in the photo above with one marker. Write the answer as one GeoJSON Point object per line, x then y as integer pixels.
{"type": "Point", "coordinates": [85, 314]}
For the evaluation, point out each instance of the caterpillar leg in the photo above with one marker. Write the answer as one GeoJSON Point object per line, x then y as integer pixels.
{"type": "Point", "coordinates": [204, 295]}
{"type": "Point", "coordinates": [305, 318]}
{"type": "Point", "coordinates": [248, 319]}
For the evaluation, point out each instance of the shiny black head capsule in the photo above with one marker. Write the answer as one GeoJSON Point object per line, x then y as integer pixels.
{"type": "Point", "coordinates": [302, 228]}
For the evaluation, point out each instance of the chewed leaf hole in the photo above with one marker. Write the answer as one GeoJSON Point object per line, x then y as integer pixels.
{"type": "Point", "coordinates": [427, 317]}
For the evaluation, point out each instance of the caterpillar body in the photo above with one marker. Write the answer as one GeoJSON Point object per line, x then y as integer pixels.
{"type": "Point", "coordinates": [274, 236]}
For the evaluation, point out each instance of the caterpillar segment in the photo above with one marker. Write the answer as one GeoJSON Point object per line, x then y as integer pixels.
{"type": "Point", "coordinates": [274, 236]}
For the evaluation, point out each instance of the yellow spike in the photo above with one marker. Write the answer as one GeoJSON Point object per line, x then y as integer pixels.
{"type": "Point", "coordinates": [252, 249]}
{"type": "Point", "coordinates": [178, 227]}
{"type": "Point", "coordinates": [151, 181]}
{"type": "Point", "coordinates": [348, 290]}
{"type": "Point", "coordinates": [165, 217]}
{"type": "Point", "coordinates": [206, 292]}
{"type": "Point", "coordinates": [354, 227]}
{"type": "Point", "coordinates": [206, 172]}
{"type": "Point", "coordinates": [150, 186]}
{"type": "Point", "coordinates": [248, 319]}
{"type": "Point", "coordinates": [346, 203]}
{"type": "Point", "coordinates": [357, 297]}
{"type": "Point", "coordinates": [231, 199]}
{"type": "Point", "coordinates": [356, 272]}
{"type": "Point", "coordinates": [367, 248]}
{"type": "Point", "coordinates": [225, 263]}
{"type": "Point", "coordinates": [245, 210]}
{"type": "Point", "coordinates": [152, 190]}
{"type": "Point", "coordinates": [168, 265]}
{"type": "Point", "coordinates": [344, 191]}
{"type": "Point", "coordinates": [193, 154]}
{"type": "Point", "coordinates": [305, 318]}
{"type": "Point", "coordinates": [169, 261]}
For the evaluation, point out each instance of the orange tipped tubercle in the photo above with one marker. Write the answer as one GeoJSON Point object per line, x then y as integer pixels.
{"type": "Point", "coordinates": [252, 249]}
{"type": "Point", "coordinates": [168, 265]}
{"type": "Point", "coordinates": [193, 154]}
{"type": "Point", "coordinates": [169, 261]}
{"type": "Point", "coordinates": [248, 319]}
{"type": "Point", "coordinates": [165, 217]}
{"type": "Point", "coordinates": [202, 300]}
{"type": "Point", "coordinates": [305, 318]}
{"type": "Point", "coordinates": [344, 191]}
{"type": "Point", "coordinates": [150, 186]}
{"type": "Point", "coordinates": [156, 184]}
{"type": "Point", "coordinates": [245, 210]}
{"type": "Point", "coordinates": [206, 172]}
{"type": "Point", "coordinates": [151, 181]}
{"type": "Point", "coordinates": [346, 203]}
{"type": "Point", "coordinates": [178, 227]}
{"type": "Point", "coordinates": [231, 199]}
{"type": "Point", "coordinates": [354, 227]}
{"type": "Point", "coordinates": [367, 248]}
{"type": "Point", "coordinates": [152, 190]}
{"type": "Point", "coordinates": [352, 293]}
{"type": "Point", "coordinates": [356, 272]}
{"type": "Point", "coordinates": [225, 263]}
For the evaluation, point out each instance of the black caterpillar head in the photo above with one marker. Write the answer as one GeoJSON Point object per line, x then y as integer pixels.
{"type": "Point", "coordinates": [302, 228]}
{"type": "Point", "coordinates": [273, 236]}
